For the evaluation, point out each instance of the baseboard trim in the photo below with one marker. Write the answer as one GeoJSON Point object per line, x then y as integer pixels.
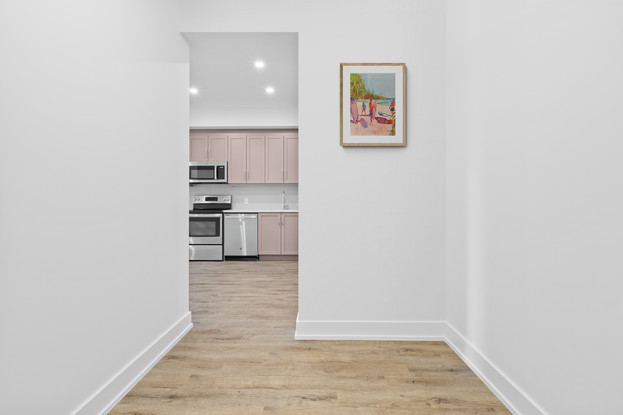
{"type": "Point", "coordinates": [511, 395]}
{"type": "Point", "coordinates": [370, 330]}
{"type": "Point", "coordinates": [109, 395]}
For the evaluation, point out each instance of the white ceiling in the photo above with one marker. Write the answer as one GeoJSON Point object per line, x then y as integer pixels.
{"type": "Point", "coordinates": [222, 69]}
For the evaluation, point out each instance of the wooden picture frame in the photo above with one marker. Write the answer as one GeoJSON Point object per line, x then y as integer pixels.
{"type": "Point", "coordinates": [373, 104]}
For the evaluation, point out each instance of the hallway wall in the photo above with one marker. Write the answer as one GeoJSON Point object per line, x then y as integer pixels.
{"type": "Point", "coordinates": [93, 286]}
{"type": "Point", "coordinates": [534, 178]}
{"type": "Point", "coordinates": [371, 223]}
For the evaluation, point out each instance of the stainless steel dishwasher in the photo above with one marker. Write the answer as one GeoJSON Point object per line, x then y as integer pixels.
{"type": "Point", "coordinates": [241, 236]}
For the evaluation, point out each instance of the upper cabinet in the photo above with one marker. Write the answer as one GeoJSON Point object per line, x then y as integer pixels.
{"type": "Point", "coordinates": [291, 158]}
{"type": "Point", "coordinates": [256, 158]}
{"type": "Point", "coordinates": [207, 147]}
{"type": "Point", "coordinates": [217, 147]}
{"type": "Point", "coordinates": [237, 161]}
{"type": "Point", "coordinates": [253, 157]}
{"type": "Point", "coordinates": [198, 146]}
{"type": "Point", "coordinates": [274, 158]}
{"type": "Point", "coordinates": [246, 158]}
{"type": "Point", "coordinates": [282, 158]}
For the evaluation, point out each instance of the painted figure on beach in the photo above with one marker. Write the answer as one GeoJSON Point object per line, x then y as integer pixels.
{"type": "Point", "coordinates": [376, 93]}
{"type": "Point", "coordinates": [354, 111]}
{"type": "Point", "coordinates": [372, 110]}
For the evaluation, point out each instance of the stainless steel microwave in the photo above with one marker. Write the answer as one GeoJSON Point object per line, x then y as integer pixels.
{"type": "Point", "coordinates": [207, 172]}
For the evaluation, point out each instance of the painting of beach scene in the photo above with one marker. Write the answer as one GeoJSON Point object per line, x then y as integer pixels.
{"type": "Point", "coordinates": [372, 104]}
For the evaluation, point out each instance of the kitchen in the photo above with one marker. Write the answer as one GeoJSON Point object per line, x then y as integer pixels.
{"type": "Point", "coordinates": [244, 143]}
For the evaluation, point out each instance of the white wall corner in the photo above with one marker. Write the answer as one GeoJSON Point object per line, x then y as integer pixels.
{"type": "Point", "coordinates": [369, 330]}
{"type": "Point", "coordinates": [109, 395]}
{"type": "Point", "coordinates": [513, 397]}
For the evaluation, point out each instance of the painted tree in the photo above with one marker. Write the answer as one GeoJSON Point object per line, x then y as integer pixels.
{"type": "Point", "coordinates": [358, 88]}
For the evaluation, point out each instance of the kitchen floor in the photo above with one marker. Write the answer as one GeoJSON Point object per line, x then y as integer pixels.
{"type": "Point", "coordinates": [241, 358]}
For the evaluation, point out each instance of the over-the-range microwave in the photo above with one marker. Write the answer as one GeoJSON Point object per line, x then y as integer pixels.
{"type": "Point", "coordinates": [207, 172]}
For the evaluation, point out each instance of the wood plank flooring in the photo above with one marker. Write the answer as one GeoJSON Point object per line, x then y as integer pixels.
{"type": "Point", "coordinates": [241, 358]}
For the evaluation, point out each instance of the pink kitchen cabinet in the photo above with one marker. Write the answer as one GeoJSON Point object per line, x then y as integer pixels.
{"type": "Point", "coordinates": [289, 233]}
{"type": "Point", "coordinates": [269, 233]}
{"type": "Point", "coordinates": [291, 158]}
{"type": "Point", "coordinates": [274, 158]}
{"type": "Point", "coordinates": [217, 147]}
{"type": "Point", "coordinates": [198, 146]}
{"type": "Point", "coordinates": [278, 233]}
{"type": "Point", "coordinates": [246, 158]}
{"type": "Point", "coordinates": [237, 161]}
{"type": "Point", "coordinates": [256, 159]}
{"type": "Point", "coordinates": [282, 153]}
{"type": "Point", "coordinates": [253, 157]}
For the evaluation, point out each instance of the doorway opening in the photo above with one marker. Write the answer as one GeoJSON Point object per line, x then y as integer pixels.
{"type": "Point", "coordinates": [244, 115]}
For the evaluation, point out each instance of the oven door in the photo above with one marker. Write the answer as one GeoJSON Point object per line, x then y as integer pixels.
{"type": "Point", "coordinates": [206, 229]}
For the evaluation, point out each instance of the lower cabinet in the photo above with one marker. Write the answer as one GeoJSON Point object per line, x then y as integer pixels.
{"type": "Point", "coordinates": [278, 233]}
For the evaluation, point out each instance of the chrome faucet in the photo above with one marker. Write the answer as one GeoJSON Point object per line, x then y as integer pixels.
{"type": "Point", "coordinates": [283, 200]}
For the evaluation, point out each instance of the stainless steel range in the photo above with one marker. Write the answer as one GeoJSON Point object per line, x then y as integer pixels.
{"type": "Point", "coordinates": [205, 236]}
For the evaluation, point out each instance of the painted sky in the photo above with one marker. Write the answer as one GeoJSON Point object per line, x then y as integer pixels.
{"type": "Point", "coordinates": [381, 83]}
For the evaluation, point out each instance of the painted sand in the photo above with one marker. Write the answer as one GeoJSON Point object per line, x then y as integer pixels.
{"type": "Point", "coordinates": [374, 128]}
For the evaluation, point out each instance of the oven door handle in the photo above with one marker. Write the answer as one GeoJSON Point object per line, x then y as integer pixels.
{"type": "Point", "coordinates": [205, 215]}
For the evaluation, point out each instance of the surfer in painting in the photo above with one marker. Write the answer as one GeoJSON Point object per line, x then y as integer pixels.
{"type": "Point", "coordinates": [372, 110]}
{"type": "Point", "coordinates": [354, 110]}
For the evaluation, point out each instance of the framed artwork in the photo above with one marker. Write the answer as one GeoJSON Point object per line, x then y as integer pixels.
{"type": "Point", "coordinates": [372, 104]}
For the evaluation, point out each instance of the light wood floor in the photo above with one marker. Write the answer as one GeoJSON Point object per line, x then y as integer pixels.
{"type": "Point", "coordinates": [241, 358]}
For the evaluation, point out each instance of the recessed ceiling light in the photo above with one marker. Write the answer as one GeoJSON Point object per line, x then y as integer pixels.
{"type": "Point", "coordinates": [270, 90]}
{"type": "Point", "coordinates": [193, 91]}
{"type": "Point", "coordinates": [259, 64]}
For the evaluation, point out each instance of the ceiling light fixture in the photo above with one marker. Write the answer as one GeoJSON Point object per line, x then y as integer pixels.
{"type": "Point", "coordinates": [259, 64]}
{"type": "Point", "coordinates": [270, 90]}
{"type": "Point", "coordinates": [193, 91]}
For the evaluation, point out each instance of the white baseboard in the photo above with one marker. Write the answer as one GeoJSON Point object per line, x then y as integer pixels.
{"type": "Point", "coordinates": [515, 399]}
{"type": "Point", "coordinates": [370, 330]}
{"type": "Point", "coordinates": [105, 399]}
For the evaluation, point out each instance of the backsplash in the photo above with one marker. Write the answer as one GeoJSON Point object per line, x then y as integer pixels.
{"type": "Point", "coordinates": [260, 196]}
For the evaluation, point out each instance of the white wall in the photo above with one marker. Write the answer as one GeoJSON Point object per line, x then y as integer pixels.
{"type": "Point", "coordinates": [371, 222]}
{"type": "Point", "coordinates": [94, 99]}
{"type": "Point", "coordinates": [244, 116]}
{"type": "Point", "coordinates": [534, 202]}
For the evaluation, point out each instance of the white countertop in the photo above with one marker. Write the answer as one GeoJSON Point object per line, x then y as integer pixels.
{"type": "Point", "coordinates": [260, 210]}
